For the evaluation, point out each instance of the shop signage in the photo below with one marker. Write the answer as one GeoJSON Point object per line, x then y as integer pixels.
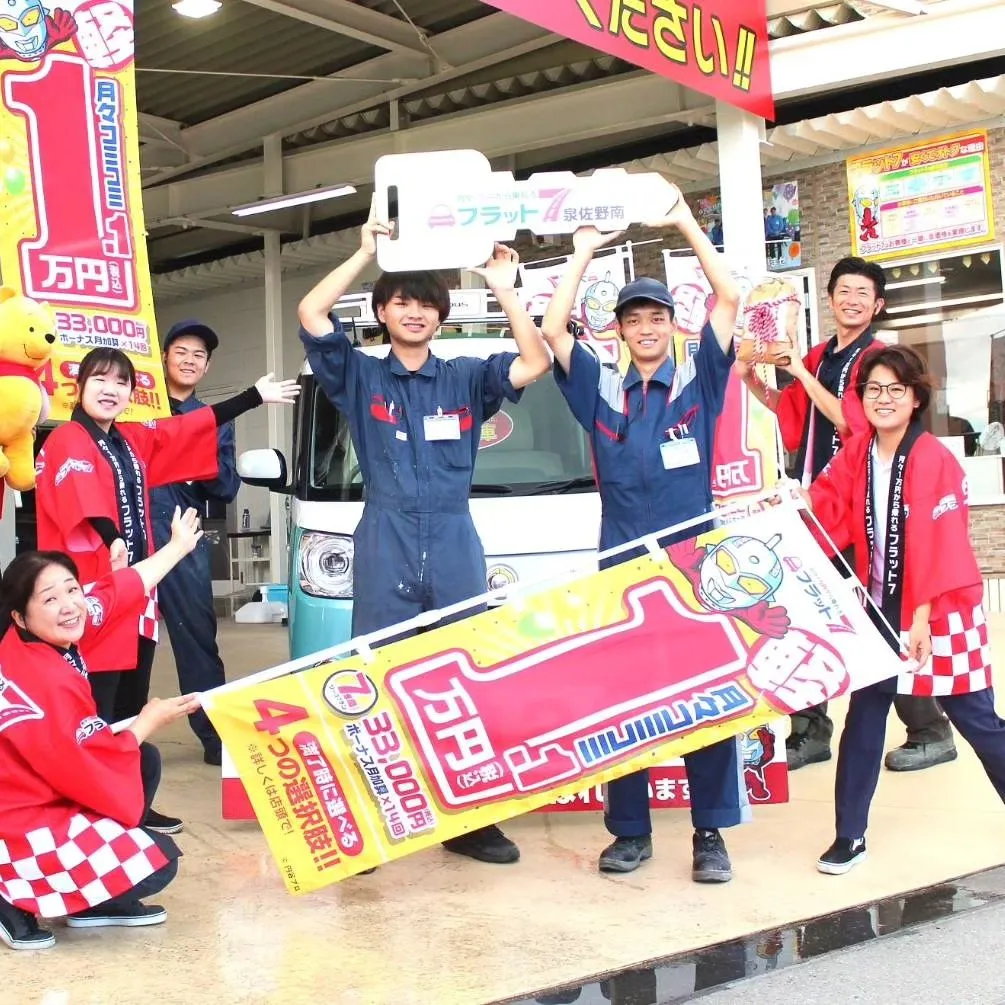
{"type": "Point", "coordinates": [719, 49]}
{"type": "Point", "coordinates": [70, 194]}
{"type": "Point", "coordinates": [934, 196]}
{"type": "Point", "coordinates": [358, 761]}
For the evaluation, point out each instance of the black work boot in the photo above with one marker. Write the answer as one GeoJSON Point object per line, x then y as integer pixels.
{"type": "Point", "coordinates": [710, 862]}
{"type": "Point", "coordinates": [626, 854]}
{"type": "Point", "coordinates": [486, 845]}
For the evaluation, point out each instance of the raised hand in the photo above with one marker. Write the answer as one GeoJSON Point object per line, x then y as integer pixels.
{"type": "Point", "coordinates": [185, 529]}
{"type": "Point", "coordinates": [500, 271]}
{"type": "Point", "coordinates": [677, 214]}
{"type": "Point", "coordinates": [277, 392]}
{"type": "Point", "coordinates": [118, 556]}
{"type": "Point", "coordinates": [373, 227]}
{"type": "Point", "coordinates": [588, 240]}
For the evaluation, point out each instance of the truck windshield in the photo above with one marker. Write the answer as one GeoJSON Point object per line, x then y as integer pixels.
{"type": "Point", "coordinates": [535, 447]}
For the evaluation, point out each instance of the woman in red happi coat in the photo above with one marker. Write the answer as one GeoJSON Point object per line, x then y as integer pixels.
{"type": "Point", "coordinates": [93, 482]}
{"type": "Point", "coordinates": [73, 794]}
{"type": "Point", "coordinates": [899, 497]}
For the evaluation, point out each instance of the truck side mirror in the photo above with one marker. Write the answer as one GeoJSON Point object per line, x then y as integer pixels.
{"type": "Point", "coordinates": [265, 468]}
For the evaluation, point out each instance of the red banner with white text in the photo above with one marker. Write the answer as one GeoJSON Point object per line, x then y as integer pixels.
{"type": "Point", "coordinates": [70, 193]}
{"type": "Point", "coordinates": [719, 48]}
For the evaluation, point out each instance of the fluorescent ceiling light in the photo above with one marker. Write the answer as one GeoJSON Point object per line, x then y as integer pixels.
{"type": "Point", "coordinates": [197, 8]}
{"type": "Point", "coordinates": [288, 201]}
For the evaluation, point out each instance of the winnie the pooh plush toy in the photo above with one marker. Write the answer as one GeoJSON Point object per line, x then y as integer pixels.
{"type": "Point", "coordinates": [27, 337]}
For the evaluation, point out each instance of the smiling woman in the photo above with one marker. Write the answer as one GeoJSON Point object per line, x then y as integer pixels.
{"type": "Point", "coordinates": [93, 479]}
{"type": "Point", "coordinates": [67, 783]}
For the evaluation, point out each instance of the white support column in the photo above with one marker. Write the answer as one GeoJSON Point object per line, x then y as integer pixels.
{"type": "Point", "coordinates": [740, 135]}
{"type": "Point", "coordinates": [278, 417]}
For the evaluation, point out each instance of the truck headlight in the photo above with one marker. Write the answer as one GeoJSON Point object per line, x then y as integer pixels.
{"type": "Point", "coordinates": [326, 565]}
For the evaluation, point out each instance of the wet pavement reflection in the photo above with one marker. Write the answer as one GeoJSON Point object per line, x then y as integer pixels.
{"type": "Point", "coordinates": [679, 978]}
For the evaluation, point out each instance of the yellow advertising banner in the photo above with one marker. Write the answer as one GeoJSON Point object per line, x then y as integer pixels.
{"type": "Point", "coordinates": [70, 196]}
{"type": "Point", "coordinates": [355, 762]}
{"type": "Point", "coordinates": [932, 196]}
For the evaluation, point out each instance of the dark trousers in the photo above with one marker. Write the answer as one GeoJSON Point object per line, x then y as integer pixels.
{"type": "Point", "coordinates": [150, 769]}
{"type": "Point", "coordinates": [121, 694]}
{"type": "Point", "coordinates": [185, 596]}
{"type": "Point", "coordinates": [860, 755]}
{"type": "Point", "coordinates": [718, 793]}
{"type": "Point", "coordinates": [924, 719]}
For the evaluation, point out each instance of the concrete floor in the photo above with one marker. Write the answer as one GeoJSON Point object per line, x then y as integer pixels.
{"type": "Point", "coordinates": [435, 929]}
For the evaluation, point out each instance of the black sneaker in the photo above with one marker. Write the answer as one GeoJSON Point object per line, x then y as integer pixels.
{"type": "Point", "coordinates": [710, 860]}
{"type": "Point", "coordinates": [20, 929]}
{"type": "Point", "coordinates": [843, 855]}
{"type": "Point", "coordinates": [626, 854]}
{"type": "Point", "coordinates": [134, 915]}
{"type": "Point", "coordinates": [155, 821]}
{"type": "Point", "coordinates": [802, 749]}
{"type": "Point", "coordinates": [213, 756]}
{"type": "Point", "coordinates": [486, 845]}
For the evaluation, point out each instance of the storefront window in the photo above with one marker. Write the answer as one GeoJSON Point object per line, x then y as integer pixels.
{"type": "Point", "coordinates": [951, 309]}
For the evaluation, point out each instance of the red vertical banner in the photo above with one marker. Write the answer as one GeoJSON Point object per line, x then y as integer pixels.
{"type": "Point", "coordinates": [719, 48]}
{"type": "Point", "coordinates": [70, 191]}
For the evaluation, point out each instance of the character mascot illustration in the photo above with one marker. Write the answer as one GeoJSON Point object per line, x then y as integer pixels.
{"type": "Point", "coordinates": [27, 336]}
{"type": "Point", "coordinates": [28, 31]}
{"type": "Point", "coordinates": [599, 300]}
{"type": "Point", "coordinates": [866, 205]}
{"type": "Point", "coordinates": [758, 752]}
{"type": "Point", "coordinates": [739, 576]}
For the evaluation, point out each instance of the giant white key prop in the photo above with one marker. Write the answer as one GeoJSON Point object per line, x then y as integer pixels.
{"type": "Point", "coordinates": [452, 207]}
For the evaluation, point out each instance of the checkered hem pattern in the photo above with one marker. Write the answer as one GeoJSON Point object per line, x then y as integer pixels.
{"type": "Point", "coordinates": [961, 658]}
{"type": "Point", "coordinates": [148, 619]}
{"type": "Point", "coordinates": [56, 872]}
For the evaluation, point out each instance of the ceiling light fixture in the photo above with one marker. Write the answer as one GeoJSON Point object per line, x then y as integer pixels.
{"type": "Point", "coordinates": [288, 201]}
{"type": "Point", "coordinates": [197, 8]}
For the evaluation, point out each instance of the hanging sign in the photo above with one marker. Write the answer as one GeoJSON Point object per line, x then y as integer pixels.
{"type": "Point", "coordinates": [70, 195]}
{"type": "Point", "coordinates": [719, 48]}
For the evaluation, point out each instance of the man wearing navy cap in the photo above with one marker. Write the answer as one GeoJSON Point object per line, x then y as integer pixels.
{"type": "Point", "coordinates": [652, 433]}
{"type": "Point", "coordinates": [186, 594]}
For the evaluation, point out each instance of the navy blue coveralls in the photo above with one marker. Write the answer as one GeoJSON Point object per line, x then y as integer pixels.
{"type": "Point", "coordinates": [416, 547]}
{"type": "Point", "coordinates": [627, 421]}
{"type": "Point", "coordinates": [186, 593]}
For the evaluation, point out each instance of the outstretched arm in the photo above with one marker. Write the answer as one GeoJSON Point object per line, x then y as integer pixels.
{"type": "Point", "coordinates": [499, 273]}
{"type": "Point", "coordinates": [318, 303]}
{"type": "Point", "coordinates": [727, 293]}
{"type": "Point", "coordinates": [555, 325]}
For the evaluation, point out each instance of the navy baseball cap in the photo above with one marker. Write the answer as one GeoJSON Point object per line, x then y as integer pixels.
{"type": "Point", "coordinates": [196, 328]}
{"type": "Point", "coordinates": [643, 289]}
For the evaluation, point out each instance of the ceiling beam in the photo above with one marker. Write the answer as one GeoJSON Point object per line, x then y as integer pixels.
{"type": "Point", "coordinates": [354, 21]}
{"type": "Point", "coordinates": [585, 111]}
{"type": "Point", "coordinates": [486, 42]}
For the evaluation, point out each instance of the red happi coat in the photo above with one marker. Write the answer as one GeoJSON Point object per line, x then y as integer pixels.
{"type": "Point", "coordinates": [939, 566]}
{"type": "Point", "coordinates": [794, 403]}
{"type": "Point", "coordinates": [71, 792]}
{"type": "Point", "coordinates": [74, 483]}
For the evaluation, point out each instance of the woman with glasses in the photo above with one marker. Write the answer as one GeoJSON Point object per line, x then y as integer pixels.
{"type": "Point", "coordinates": [899, 497]}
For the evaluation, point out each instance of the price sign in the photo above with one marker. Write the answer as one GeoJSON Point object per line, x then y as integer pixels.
{"type": "Point", "coordinates": [70, 191]}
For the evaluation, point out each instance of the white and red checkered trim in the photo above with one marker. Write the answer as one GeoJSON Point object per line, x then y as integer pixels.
{"type": "Point", "coordinates": [52, 873]}
{"type": "Point", "coordinates": [961, 658]}
{"type": "Point", "coordinates": [148, 619]}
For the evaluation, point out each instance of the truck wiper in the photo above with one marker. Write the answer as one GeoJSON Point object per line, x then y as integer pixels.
{"type": "Point", "coordinates": [486, 488]}
{"type": "Point", "coordinates": [569, 485]}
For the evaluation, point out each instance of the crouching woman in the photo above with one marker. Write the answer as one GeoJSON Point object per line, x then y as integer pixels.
{"type": "Point", "coordinates": [72, 793]}
{"type": "Point", "coordinates": [899, 497]}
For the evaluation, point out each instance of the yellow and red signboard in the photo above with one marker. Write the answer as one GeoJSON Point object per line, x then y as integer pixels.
{"type": "Point", "coordinates": [70, 197]}
{"type": "Point", "coordinates": [356, 762]}
{"type": "Point", "coordinates": [933, 196]}
{"type": "Point", "coordinates": [719, 48]}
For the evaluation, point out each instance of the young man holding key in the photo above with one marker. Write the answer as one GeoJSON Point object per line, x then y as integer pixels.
{"type": "Point", "coordinates": [416, 421]}
{"type": "Point", "coordinates": [652, 433]}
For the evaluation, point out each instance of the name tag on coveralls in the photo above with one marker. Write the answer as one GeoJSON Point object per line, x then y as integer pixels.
{"type": "Point", "coordinates": [442, 427]}
{"type": "Point", "coordinates": [680, 453]}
